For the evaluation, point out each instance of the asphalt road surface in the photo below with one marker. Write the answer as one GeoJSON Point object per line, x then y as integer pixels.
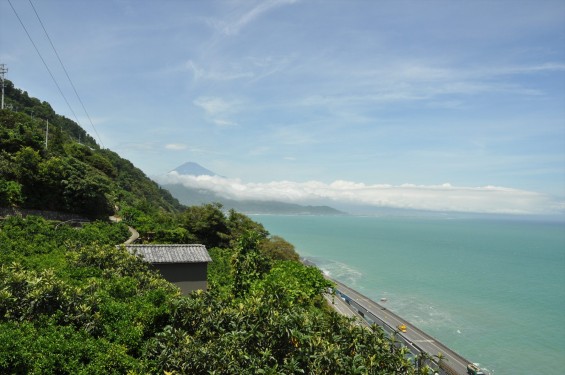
{"type": "Point", "coordinates": [415, 339]}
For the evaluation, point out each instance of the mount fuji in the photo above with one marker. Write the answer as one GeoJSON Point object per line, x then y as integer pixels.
{"type": "Point", "coordinates": [192, 196]}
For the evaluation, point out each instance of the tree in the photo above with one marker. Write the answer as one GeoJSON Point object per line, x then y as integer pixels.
{"type": "Point", "coordinates": [10, 193]}
{"type": "Point", "coordinates": [207, 223]}
{"type": "Point", "coordinates": [18, 130]}
{"type": "Point", "coordinates": [26, 165]}
{"type": "Point", "coordinates": [289, 283]}
{"type": "Point", "coordinates": [239, 224]}
{"type": "Point", "coordinates": [248, 264]}
{"type": "Point", "coordinates": [27, 162]}
{"type": "Point", "coordinates": [278, 248]}
{"type": "Point", "coordinates": [440, 357]}
{"type": "Point", "coordinates": [71, 185]}
{"type": "Point", "coordinates": [421, 362]}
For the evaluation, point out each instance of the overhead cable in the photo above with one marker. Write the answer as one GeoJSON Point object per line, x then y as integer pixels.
{"type": "Point", "coordinates": [44, 62]}
{"type": "Point", "coordinates": [66, 73]}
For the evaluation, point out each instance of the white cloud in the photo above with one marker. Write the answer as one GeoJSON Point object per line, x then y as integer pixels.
{"type": "Point", "coordinates": [527, 69]}
{"type": "Point", "coordinates": [294, 135]}
{"type": "Point", "coordinates": [258, 151]}
{"type": "Point", "coordinates": [445, 197]}
{"type": "Point", "coordinates": [244, 19]}
{"type": "Point", "coordinates": [218, 109]}
{"type": "Point", "coordinates": [230, 74]}
{"type": "Point", "coordinates": [250, 69]}
{"type": "Point", "coordinates": [224, 122]}
{"type": "Point", "coordinates": [213, 105]}
{"type": "Point", "coordinates": [176, 146]}
{"type": "Point", "coordinates": [406, 80]}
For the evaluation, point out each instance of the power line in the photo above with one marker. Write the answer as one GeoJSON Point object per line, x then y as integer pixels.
{"type": "Point", "coordinates": [66, 73]}
{"type": "Point", "coordinates": [45, 63]}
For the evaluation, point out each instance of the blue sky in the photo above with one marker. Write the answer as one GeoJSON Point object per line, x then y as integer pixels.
{"type": "Point", "coordinates": [456, 105]}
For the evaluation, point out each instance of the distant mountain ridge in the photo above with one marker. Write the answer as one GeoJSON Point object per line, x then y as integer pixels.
{"type": "Point", "coordinates": [193, 169]}
{"type": "Point", "coordinates": [194, 196]}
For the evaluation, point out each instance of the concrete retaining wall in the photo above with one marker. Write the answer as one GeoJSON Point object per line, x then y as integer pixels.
{"type": "Point", "coordinates": [49, 215]}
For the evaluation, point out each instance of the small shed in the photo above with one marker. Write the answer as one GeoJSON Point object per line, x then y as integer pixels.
{"type": "Point", "coordinates": [184, 265]}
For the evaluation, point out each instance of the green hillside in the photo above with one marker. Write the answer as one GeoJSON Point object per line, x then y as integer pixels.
{"type": "Point", "coordinates": [69, 172]}
{"type": "Point", "coordinates": [72, 302]}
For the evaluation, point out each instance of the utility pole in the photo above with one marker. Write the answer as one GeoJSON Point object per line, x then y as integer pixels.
{"type": "Point", "coordinates": [3, 70]}
{"type": "Point", "coordinates": [46, 134]}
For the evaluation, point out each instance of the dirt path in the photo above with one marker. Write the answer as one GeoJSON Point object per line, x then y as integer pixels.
{"type": "Point", "coordinates": [134, 234]}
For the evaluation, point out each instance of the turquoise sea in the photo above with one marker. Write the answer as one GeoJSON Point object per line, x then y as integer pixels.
{"type": "Point", "coordinates": [491, 289]}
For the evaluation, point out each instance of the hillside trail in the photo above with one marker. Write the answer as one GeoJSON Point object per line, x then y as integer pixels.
{"type": "Point", "coordinates": [134, 234]}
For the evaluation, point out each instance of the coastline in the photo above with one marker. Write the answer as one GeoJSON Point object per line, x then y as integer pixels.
{"type": "Point", "coordinates": [476, 285]}
{"type": "Point", "coordinates": [353, 304]}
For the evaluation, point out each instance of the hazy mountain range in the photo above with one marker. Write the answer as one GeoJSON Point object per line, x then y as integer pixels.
{"type": "Point", "coordinates": [192, 184]}
{"type": "Point", "coordinates": [192, 196]}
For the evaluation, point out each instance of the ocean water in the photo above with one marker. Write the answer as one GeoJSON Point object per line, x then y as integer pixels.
{"type": "Point", "coordinates": [492, 290]}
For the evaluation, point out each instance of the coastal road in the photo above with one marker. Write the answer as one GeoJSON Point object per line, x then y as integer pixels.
{"type": "Point", "coordinates": [415, 339]}
{"type": "Point", "coordinates": [339, 305]}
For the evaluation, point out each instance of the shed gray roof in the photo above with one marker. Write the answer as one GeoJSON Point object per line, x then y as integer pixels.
{"type": "Point", "coordinates": [155, 253]}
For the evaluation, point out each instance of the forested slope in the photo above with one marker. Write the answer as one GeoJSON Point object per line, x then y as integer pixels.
{"type": "Point", "coordinates": [69, 172]}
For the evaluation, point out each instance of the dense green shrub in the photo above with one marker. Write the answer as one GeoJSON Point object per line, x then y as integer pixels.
{"type": "Point", "coordinates": [277, 248]}
{"type": "Point", "coordinates": [89, 313]}
{"type": "Point", "coordinates": [71, 302]}
{"type": "Point", "coordinates": [10, 193]}
{"type": "Point", "coordinates": [53, 349]}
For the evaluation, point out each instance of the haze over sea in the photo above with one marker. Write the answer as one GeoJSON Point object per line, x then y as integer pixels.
{"type": "Point", "coordinates": [491, 289]}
